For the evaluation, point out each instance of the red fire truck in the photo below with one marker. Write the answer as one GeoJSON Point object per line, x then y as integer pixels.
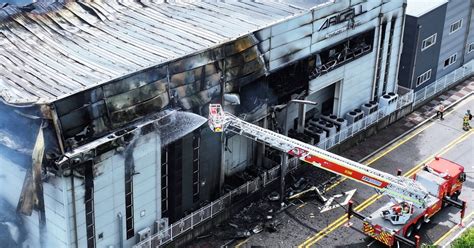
{"type": "Point", "coordinates": [398, 222]}
{"type": "Point", "coordinates": [413, 201]}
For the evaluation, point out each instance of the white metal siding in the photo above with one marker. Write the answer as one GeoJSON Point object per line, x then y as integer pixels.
{"type": "Point", "coordinates": [55, 212]}
{"type": "Point", "coordinates": [109, 191]}
{"type": "Point", "coordinates": [356, 86]}
{"type": "Point", "coordinates": [146, 182]}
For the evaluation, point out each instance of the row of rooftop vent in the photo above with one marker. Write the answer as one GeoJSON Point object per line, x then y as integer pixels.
{"type": "Point", "coordinates": [322, 127]}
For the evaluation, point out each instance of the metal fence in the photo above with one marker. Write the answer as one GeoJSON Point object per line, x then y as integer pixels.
{"type": "Point", "coordinates": [416, 98]}
{"type": "Point", "coordinates": [197, 217]}
{"type": "Point", "coordinates": [366, 121]}
{"type": "Point", "coordinates": [459, 74]}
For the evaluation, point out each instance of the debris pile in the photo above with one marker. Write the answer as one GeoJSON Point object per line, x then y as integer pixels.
{"type": "Point", "coordinates": [255, 218]}
{"type": "Point", "coordinates": [307, 183]}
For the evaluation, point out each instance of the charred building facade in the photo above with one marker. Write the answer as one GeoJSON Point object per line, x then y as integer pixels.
{"type": "Point", "coordinates": [102, 133]}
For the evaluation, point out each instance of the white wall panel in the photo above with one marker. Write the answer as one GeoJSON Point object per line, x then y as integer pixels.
{"type": "Point", "coordinates": [146, 181]}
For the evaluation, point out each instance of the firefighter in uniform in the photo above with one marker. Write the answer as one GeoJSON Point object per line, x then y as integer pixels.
{"type": "Point", "coordinates": [465, 123]}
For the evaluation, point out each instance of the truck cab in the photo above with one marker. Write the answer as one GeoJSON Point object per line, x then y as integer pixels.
{"type": "Point", "coordinates": [453, 176]}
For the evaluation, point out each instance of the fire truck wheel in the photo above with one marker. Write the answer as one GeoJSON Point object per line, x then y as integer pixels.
{"type": "Point", "coordinates": [419, 223]}
{"type": "Point", "coordinates": [409, 232]}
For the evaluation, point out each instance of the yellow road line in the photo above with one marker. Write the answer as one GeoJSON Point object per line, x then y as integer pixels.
{"type": "Point", "coordinates": [341, 220]}
{"type": "Point", "coordinates": [399, 143]}
{"type": "Point", "coordinates": [451, 230]}
{"type": "Point", "coordinates": [375, 197]}
{"type": "Point", "coordinates": [367, 202]}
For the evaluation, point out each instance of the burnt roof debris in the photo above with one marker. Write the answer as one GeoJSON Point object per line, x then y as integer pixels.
{"type": "Point", "coordinates": [51, 50]}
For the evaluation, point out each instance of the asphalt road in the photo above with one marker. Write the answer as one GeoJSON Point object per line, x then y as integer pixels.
{"type": "Point", "coordinates": [304, 225]}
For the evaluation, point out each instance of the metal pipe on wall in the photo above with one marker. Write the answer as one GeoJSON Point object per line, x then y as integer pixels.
{"type": "Point", "coordinates": [301, 118]}
{"type": "Point", "coordinates": [120, 225]}
{"type": "Point", "coordinates": [377, 51]}
{"type": "Point", "coordinates": [400, 47]}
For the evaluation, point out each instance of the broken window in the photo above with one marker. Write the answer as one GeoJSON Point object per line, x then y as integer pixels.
{"type": "Point", "coordinates": [292, 79]}
{"type": "Point", "coordinates": [451, 60]}
{"type": "Point", "coordinates": [346, 51]}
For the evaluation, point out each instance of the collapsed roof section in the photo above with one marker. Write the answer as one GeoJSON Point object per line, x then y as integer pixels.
{"type": "Point", "coordinates": [49, 52]}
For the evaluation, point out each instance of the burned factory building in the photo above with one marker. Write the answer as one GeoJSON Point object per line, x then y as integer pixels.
{"type": "Point", "coordinates": [103, 132]}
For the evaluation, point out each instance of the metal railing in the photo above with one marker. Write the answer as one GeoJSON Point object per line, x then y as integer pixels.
{"type": "Point", "coordinates": [416, 98]}
{"type": "Point", "coordinates": [197, 217]}
{"type": "Point", "coordinates": [459, 74]}
{"type": "Point", "coordinates": [351, 130]}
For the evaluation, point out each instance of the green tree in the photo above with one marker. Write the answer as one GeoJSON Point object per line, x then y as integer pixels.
{"type": "Point", "coordinates": [465, 241]}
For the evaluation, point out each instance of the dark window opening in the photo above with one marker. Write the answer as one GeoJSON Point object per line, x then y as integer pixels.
{"type": "Point", "coordinates": [446, 62]}
{"type": "Point", "coordinates": [327, 106]}
{"type": "Point", "coordinates": [196, 145]}
{"type": "Point", "coordinates": [129, 167]}
{"type": "Point", "coordinates": [89, 203]}
{"type": "Point", "coordinates": [344, 52]}
{"type": "Point", "coordinates": [164, 181]}
{"type": "Point", "coordinates": [292, 79]}
{"type": "Point", "coordinates": [175, 174]}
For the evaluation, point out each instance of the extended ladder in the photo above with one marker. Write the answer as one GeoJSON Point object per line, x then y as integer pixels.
{"type": "Point", "coordinates": [395, 186]}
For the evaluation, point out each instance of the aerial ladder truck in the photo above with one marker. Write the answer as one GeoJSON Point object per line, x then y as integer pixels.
{"type": "Point", "coordinates": [414, 200]}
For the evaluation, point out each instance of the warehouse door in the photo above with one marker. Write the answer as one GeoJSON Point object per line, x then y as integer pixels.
{"type": "Point", "coordinates": [327, 106]}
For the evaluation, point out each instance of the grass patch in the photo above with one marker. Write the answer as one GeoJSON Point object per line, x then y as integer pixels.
{"type": "Point", "coordinates": [465, 241]}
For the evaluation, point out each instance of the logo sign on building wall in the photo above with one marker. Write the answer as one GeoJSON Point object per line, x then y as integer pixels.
{"type": "Point", "coordinates": [346, 15]}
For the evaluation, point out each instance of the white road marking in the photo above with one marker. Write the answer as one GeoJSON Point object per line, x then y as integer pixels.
{"type": "Point", "coordinates": [327, 206]}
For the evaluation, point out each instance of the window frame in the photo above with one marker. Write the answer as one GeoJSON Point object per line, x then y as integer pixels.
{"type": "Point", "coordinates": [454, 23]}
{"type": "Point", "coordinates": [434, 37]}
{"type": "Point", "coordinates": [451, 60]}
{"type": "Point", "coordinates": [424, 74]}
{"type": "Point", "coordinates": [470, 48]}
